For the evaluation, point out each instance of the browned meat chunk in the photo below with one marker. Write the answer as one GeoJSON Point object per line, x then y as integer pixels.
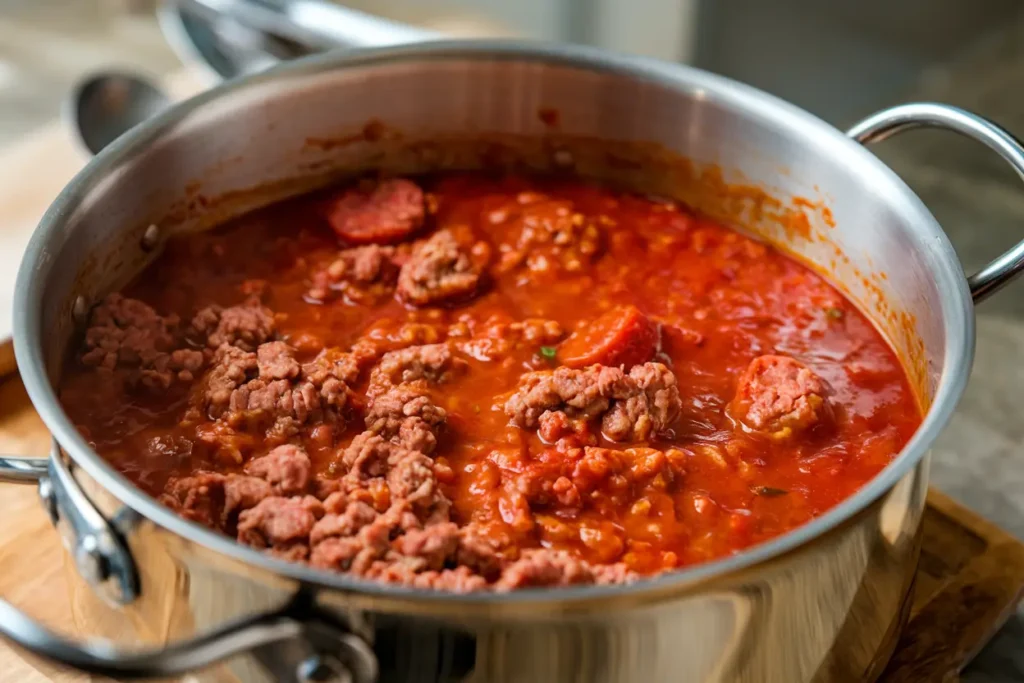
{"type": "Point", "coordinates": [435, 545]}
{"type": "Point", "coordinates": [127, 335]}
{"type": "Point", "coordinates": [286, 469]}
{"type": "Point", "coordinates": [440, 269]}
{"type": "Point", "coordinates": [367, 456]}
{"type": "Point", "coordinates": [231, 368]}
{"type": "Point", "coordinates": [331, 373]}
{"type": "Point", "coordinates": [347, 523]}
{"type": "Point", "coordinates": [339, 554]}
{"type": "Point", "coordinates": [363, 553]}
{"type": "Point", "coordinates": [245, 326]}
{"type": "Point", "coordinates": [631, 406]}
{"type": "Point", "coordinates": [199, 498]}
{"type": "Point", "coordinates": [278, 521]}
{"type": "Point", "coordinates": [260, 401]}
{"type": "Point", "coordinates": [582, 393]}
{"type": "Point", "coordinates": [242, 493]}
{"type": "Point", "coordinates": [214, 499]}
{"type": "Point", "coordinates": [432, 363]}
{"type": "Point", "coordinates": [406, 417]}
{"type": "Point", "coordinates": [276, 360]}
{"type": "Point", "coordinates": [542, 567]}
{"type": "Point", "coordinates": [458, 580]}
{"type": "Point", "coordinates": [408, 474]}
{"type": "Point", "coordinates": [411, 479]}
{"type": "Point", "coordinates": [417, 434]}
{"type": "Point", "coordinates": [399, 408]}
{"type": "Point", "coordinates": [269, 386]}
{"type": "Point", "coordinates": [780, 396]}
{"type": "Point", "coordinates": [359, 274]}
{"type": "Point", "coordinates": [552, 425]}
{"type": "Point", "coordinates": [381, 213]}
{"type": "Point", "coordinates": [651, 406]}
{"type": "Point", "coordinates": [478, 553]}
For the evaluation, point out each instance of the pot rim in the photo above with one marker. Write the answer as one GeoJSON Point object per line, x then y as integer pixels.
{"type": "Point", "coordinates": [956, 305]}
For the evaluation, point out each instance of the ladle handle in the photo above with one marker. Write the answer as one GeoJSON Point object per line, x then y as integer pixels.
{"type": "Point", "coordinates": [904, 117]}
{"type": "Point", "coordinates": [315, 23]}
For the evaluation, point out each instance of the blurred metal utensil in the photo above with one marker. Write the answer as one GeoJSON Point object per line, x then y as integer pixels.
{"type": "Point", "coordinates": [314, 23]}
{"type": "Point", "coordinates": [219, 44]}
{"type": "Point", "coordinates": [106, 105]}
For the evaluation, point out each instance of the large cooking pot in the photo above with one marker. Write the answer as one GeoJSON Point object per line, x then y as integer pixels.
{"type": "Point", "coordinates": [822, 603]}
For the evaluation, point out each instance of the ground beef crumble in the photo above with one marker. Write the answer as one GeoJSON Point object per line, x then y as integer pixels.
{"type": "Point", "coordinates": [632, 405]}
{"type": "Point", "coordinates": [245, 326]}
{"type": "Point", "coordinates": [441, 269]}
{"type": "Point", "coordinates": [127, 338]}
{"type": "Point", "coordinates": [268, 393]}
{"type": "Point", "coordinates": [781, 396]}
{"type": "Point", "coordinates": [361, 274]}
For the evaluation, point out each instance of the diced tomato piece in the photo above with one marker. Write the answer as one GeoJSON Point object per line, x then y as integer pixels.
{"type": "Point", "coordinates": [382, 213]}
{"type": "Point", "coordinates": [622, 336]}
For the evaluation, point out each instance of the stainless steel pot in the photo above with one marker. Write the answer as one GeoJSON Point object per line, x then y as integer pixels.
{"type": "Point", "coordinates": [822, 603]}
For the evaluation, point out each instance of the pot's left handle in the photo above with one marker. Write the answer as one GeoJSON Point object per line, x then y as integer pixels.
{"type": "Point", "coordinates": [102, 557]}
{"type": "Point", "coordinates": [900, 118]}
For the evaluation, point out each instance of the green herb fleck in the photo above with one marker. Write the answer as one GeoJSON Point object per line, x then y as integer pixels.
{"type": "Point", "coordinates": [548, 352]}
{"type": "Point", "coordinates": [476, 408]}
{"type": "Point", "coordinates": [834, 313]}
{"type": "Point", "coordinates": [770, 491]}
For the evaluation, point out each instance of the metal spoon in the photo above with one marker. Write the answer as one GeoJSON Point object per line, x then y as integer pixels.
{"type": "Point", "coordinates": [106, 105]}
{"type": "Point", "coordinates": [223, 47]}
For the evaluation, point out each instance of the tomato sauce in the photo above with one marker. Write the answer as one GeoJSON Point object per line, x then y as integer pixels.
{"type": "Point", "coordinates": [562, 260]}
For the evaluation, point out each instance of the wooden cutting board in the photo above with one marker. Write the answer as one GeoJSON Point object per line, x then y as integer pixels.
{"type": "Point", "coordinates": [34, 171]}
{"type": "Point", "coordinates": [970, 578]}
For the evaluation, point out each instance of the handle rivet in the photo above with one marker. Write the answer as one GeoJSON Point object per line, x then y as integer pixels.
{"type": "Point", "coordinates": [80, 311]}
{"type": "Point", "coordinates": [323, 669]}
{"type": "Point", "coordinates": [562, 158]}
{"type": "Point", "coordinates": [90, 561]}
{"type": "Point", "coordinates": [150, 238]}
{"type": "Point", "coordinates": [48, 499]}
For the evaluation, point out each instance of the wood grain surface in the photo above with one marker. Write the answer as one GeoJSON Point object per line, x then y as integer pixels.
{"type": "Point", "coordinates": [970, 578]}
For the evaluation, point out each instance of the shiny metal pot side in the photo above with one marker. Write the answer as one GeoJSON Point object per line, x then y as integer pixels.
{"type": "Point", "coordinates": [822, 603]}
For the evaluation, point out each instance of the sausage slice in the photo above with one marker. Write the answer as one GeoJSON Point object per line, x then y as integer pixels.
{"type": "Point", "coordinates": [622, 336]}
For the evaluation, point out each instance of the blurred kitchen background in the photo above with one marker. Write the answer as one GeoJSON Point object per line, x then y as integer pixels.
{"type": "Point", "coordinates": [841, 60]}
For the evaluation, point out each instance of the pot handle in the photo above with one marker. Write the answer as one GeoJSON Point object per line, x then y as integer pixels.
{"type": "Point", "coordinates": [903, 117]}
{"type": "Point", "coordinates": [344, 657]}
{"type": "Point", "coordinates": [334, 653]}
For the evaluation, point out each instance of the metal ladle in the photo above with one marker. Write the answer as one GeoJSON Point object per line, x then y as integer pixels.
{"type": "Point", "coordinates": [106, 105]}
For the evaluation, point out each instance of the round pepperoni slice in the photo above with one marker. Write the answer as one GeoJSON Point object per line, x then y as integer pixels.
{"type": "Point", "coordinates": [622, 336]}
{"type": "Point", "coordinates": [385, 212]}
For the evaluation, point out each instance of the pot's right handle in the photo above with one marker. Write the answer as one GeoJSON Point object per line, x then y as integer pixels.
{"type": "Point", "coordinates": [889, 122]}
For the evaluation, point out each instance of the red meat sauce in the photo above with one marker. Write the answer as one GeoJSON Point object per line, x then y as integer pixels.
{"type": "Point", "coordinates": [469, 382]}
